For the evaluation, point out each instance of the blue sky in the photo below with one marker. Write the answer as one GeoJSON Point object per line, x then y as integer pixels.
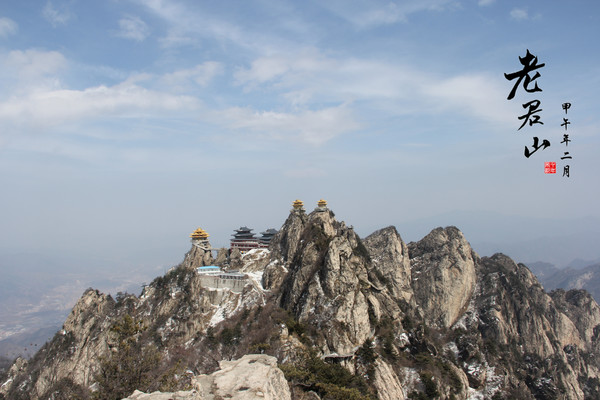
{"type": "Point", "coordinates": [126, 124]}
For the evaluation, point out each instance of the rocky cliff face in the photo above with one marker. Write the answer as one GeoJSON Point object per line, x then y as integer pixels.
{"type": "Point", "coordinates": [429, 319]}
{"type": "Point", "coordinates": [324, 279]}
{"type": "Point", "coordinates": [443, 267]}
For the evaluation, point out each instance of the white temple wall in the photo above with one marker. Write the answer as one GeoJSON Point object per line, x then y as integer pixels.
{"type": "Point", "coordinates": [216, 282]}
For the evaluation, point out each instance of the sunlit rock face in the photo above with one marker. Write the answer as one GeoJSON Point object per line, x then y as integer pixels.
{"type": "Point", "coordinates": [443, 275]}
{"type": "Point", "coordinates": [322, 277]}
{"type": "Point", "coordinates": [437, 317]}
{"type": "Point", "coordinates": [391, 262]}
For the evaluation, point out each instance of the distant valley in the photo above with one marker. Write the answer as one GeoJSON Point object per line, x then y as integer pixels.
{"type": "Point", "coordinates": [37, 293]}
{"type": "Point", "coordinates": [575, 276]}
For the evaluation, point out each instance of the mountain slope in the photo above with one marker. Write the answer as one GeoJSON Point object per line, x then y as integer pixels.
{"type": "Point", "coordinates": [345, 316]}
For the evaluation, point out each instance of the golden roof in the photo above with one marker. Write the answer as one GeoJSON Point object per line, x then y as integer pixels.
{"type": "Point", "coordinates": [298, 204]}
{"type": "Point", "coordinates": [199, 234]}
{"type": "Point", "coordinates": [322, 203]}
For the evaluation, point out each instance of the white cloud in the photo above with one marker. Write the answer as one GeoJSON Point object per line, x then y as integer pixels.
{"type": "Point", "coordinates": [56, 15]}
{"type": "Point", "coordinates": [306, 75]}
{"type": "Point", "coordinates": [387, 14]}
{"type": "Point", "coordinates": [133, 28]}
{"type": "Point", "coordinates": [46, 108]}
{"type": "Point", "coordinates": [201, 75]}
{"type": "Point", "coordinates": [311, 127]}
{"type": "Point", "coordinates": [31, 66]}
{"type": "Point", "coordinates": [478, 95]}
{"type": "Point", "coordinates": [307, 78]}
{"type": "Point", "coordinates": [188, 24]}
{"type": "Point", "coordinates": [264, 69]}
{"type": "Point", "coordinates": [7, 27]}
{"type": "Point", "coordinates": [519, 14]}
{"type": "Point", "coordinates": [35, 62]}
{"type": "Point", "coordinates": [176, 39]}
{"type": "Point", "coordinates": [369, 13]}
{"type": "Point", "coordinates": [486, 2]}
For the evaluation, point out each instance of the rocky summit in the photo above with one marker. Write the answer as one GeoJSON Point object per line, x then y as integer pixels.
{"type": "Point", "coordinates": [325, 314]}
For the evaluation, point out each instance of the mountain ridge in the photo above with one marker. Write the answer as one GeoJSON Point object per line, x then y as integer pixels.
{"type": "Point", "coordinates": [425, 319]}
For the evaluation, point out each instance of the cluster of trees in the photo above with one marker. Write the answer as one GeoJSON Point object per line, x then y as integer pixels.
{"type": "Point", "coordinates": [132, 364]}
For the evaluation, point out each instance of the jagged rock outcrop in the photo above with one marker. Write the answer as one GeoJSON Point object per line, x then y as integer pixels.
{"type": "Point", "coordinates": [387, 383]}
{"type": "Point", "coordinates": [255, 261]}
{"type": "Point", "coordinates": [323, 278]}
{"type": "Point", "coordinates": [505, 311]}
{"type": "Point", "coordinates": [391, 262]}
{"type": "Point", "coordinates": [429, 318]}
{"type": "Point", "coordinates": [537, 336]}
{"type": "Point", "coordinates": [198, 257]}
{"type": "Point", "coordinates": [392, 295]}
{"type": "Point", "coordinates": [18, 368]}
{"type": "Point", "coordinates": [253, 377]}
{"type": "Point", "coordinates": [221, 259]}
{"type": "Point", "coordinates": [286, 241]}
{"type": "Point", "coordinates": [583, 310]}
{"type": "Point", "coordinates": [443, 275]}
{"type": "Point", "coordinates": [78, 349]}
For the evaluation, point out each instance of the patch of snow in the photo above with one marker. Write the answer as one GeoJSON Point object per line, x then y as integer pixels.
{"type": "Point", "coordinates": [451, 346]}
{"type": "Point", "coordinates": [262, 253]}
{"type": "Point", "coordinates": [409, 379]}
{"type": "Point", "coordinates": [217, 317]}
{"type": "Point", "coordinates": [403, 340]}
{"type": "Point", "coordinates": [492, 385]}
{"type": "Point", "coordinates": [475, 394]}
{"type": "Point", "coordinates": [174, 291]}
{"type": "Point", "coordinates": [256, 277]}
{"type": "Point", "coordinates": [474, 369]}
{"type": "Point", "coordinates": [167, 328]}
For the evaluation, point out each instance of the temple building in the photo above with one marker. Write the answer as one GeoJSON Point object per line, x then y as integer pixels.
{"type": "Point", "coordinates": [298, 206]}
{"type": "Point", "coordinates": [244, 240]}
{"type": "Point", "coordinates": [200, 239]}
{"type": "Point", "coordinates": [211, 276]}
{"type": "Point", "coordinates": [321, 205]}
{"type": "Point", "coordinates": [266, 237]}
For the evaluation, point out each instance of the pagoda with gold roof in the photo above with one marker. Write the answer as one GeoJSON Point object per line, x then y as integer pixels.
{"type": "Point", "coordinates": [321, 205]}
{"type": "Point", "coordinates": [200, 239]}
{"type": "Point", "coordinates": [298, 205]}
{"type": "Point", "coordinates": [199, 234]}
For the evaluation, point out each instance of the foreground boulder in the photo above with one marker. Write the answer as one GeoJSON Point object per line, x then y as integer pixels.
{"type": "Point", "coordinates": [254, 376]}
